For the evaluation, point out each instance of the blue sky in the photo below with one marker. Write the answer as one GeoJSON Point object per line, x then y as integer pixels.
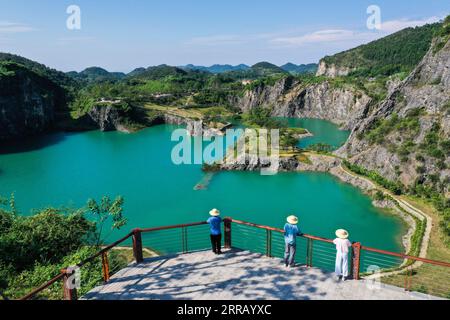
{"type": "Point", "coordinates": [122, 35]}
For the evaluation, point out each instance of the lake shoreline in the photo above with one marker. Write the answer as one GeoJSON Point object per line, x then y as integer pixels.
{"type": "Point", "coordinates": [334, 166]}
{"type": "Point", "coordinates": [71, 180]}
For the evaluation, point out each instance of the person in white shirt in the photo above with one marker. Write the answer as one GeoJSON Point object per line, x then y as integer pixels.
{"type": "Point", "coordinates": [342, 244]}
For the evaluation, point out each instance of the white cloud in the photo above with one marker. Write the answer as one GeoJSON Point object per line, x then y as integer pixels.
{"type": "Point", "coordinates": [354, 36]}
{"type": "Point", "coordinates": [336, 38]}
{"type": "Point", "coordinates": [322, 36]}
{"type": "Point", "coordinates": [397, 25]}
{"type": "Point", "coordinates": [12, 27]}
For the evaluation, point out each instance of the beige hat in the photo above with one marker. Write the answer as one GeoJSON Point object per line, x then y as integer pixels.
{"type": "Point", "coordinates": [342, 234]}
{"type": "Point", "coordinates": [214, 212]}
{"type": "Point", "coordinates": [292, 219]}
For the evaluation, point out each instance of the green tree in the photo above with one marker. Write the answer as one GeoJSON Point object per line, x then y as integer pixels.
{"type": "Point", "coordinates": [107, 211]}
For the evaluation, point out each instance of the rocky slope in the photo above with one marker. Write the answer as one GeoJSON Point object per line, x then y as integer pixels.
{"type": "Point", "coordinates": [406, 138]}
{"type": "Point", "coordinates": [28, 101]}
{"type": "Point", "coordinates": [331, 70]}
{"type": "Point", "coordinates": [108, 118]}
{"type": "Point", "coordinates": [290, 98]}
{"type": "Point", "coordinates": [113, 118]}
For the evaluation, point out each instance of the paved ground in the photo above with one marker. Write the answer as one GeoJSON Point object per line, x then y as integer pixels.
{"type": "Point", "coordinates": [231, 276]}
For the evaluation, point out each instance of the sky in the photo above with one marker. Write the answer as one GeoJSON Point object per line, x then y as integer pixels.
{"type": "Point", "coordinates": [123, 35]}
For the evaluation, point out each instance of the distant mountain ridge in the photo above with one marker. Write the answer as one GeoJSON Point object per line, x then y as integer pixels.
{"type": "Point", "coordinates": [96, 74]}
{"type": "Point", "coordinates": [217, 68]}
{"type": "Point", "coordinates": [222, 68]}
{"type": "Point", "coordinates": [301, 68]}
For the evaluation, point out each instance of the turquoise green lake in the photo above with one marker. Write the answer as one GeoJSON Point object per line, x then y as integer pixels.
{"type": "Point", "coordinates": [323, 131]}
{"type": "Point", "coordinates": [67, 169]}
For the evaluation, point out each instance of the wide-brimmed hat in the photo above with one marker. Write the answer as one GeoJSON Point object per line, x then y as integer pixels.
{"type": "Point", "coordinates": [342, 234]}
{"type": "Point", "coordinates": [214, 212]}
{"type": "Point", "coordinates": [292, 219]}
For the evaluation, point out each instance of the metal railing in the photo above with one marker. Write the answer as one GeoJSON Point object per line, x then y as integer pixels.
{"type": "Point", "coordinates": [412, 273]}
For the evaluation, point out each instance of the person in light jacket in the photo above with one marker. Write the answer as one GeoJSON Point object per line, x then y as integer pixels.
{"type": "Point", "coordinates": [216, 234]}
{"type": "Point", "coordinates": [342, 246]}
{"type": "Point", "coordinates": [291, 231]}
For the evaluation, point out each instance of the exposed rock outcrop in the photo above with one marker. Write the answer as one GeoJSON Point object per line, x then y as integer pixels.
{"type": "Point", "coordinates": [194, 127]}
{"type": "Point", "coordinates": [288, 98]}
{"type": "Point", "coordinates": [426, 89]}
{"type": "Point", "coordinates": [332, 70]}
{"type": "Point", "coordinates": [316, 162]}
{"type": "Point", "coordinates": [28, 102]}
{"type": "Point", "coordinates": [108, 118]}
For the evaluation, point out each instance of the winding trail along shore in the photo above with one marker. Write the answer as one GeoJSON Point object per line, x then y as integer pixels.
{"type": "Point", "coordinates": [406, 206]}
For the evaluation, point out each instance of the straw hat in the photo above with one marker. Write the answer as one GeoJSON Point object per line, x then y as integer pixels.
{"type": "Point", "coordinates": [342, 234]}
{"type": "Point", "coordinates": [292, 219]}
{"type": "Point", "coordinates": [214, 212]}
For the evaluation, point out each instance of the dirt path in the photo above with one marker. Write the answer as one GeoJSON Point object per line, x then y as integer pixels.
{"type": "Point", "coordinates": [409, 208]}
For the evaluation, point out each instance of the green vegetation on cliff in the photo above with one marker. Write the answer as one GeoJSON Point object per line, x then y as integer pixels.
{"type": "Point", "coordinates": [442, 35]}
{"type": "Point", "coordinates": [399, 52]}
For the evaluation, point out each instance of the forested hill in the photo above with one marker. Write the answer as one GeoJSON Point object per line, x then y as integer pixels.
{"type": "Point", "coordinates": [96, 74]}
{"type": "Point", "coordinates": [58, 77]}
{"type": "Point", "coordinates": [173, 86]}
{"type": "Point", "coordinates": [399, 52]}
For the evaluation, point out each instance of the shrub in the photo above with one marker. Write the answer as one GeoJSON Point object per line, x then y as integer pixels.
{"type": "Point", "coordinates": [396, 187]}
{"type": "Point", "coordinates": [45, 237]}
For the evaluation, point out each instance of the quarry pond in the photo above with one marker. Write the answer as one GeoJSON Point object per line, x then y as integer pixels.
{"type": "Point", "coordinates": [66, 169]}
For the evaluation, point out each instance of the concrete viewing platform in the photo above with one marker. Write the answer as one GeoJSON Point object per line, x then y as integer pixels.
{"type": "Point", "coordinates": [235, 275]}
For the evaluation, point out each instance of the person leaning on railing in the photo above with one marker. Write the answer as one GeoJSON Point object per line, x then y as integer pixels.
{"type": "Point", "coordinates": [216, 234]}
{"type": "Point", "coordinates": [342, 246]}
{"type": "Point", "coordinates": [291, 231]}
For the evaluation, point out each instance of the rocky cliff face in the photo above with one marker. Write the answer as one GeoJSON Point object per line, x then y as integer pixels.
{"type": "Point", "coordinates": [108, 118]}
{"type": "Point", "coordinates": [331, 70]}
{"type": "Point", "coordinates": [414, 121]}
{"type": "Point", "coordinates": [27, 102]}
{"type": "Point", "coordinates": [288, 98]}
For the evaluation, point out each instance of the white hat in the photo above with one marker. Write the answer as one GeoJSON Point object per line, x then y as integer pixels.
{"type": "Point", "coordinates": [214, 212]}
{"type": "Point", "coordinates": [292, 219]}
{"type": "Point", "coordinates": [342, 234]}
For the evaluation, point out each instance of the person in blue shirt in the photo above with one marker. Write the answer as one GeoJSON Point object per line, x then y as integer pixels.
{"type": "Point", "coordinates": [291, 231]}
{"type": "Point", "coordinates": [216, 235]}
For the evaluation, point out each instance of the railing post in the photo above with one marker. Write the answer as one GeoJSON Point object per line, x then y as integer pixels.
{"type": "Point", "coordinates": [408, 275]}
{"type": "Point", "coordinates": [105, 267]}
{"type": "Point", "coordinates": [69, 288]}
{"type": "Point", "coordinates": [184, 239]}
{"type": "Point", "coordinates": [227, 232]}
{"type": "Point", "coordinates": [268, 243]}
{"type": "Point", "coordinates": [356, 259]}
{"type": "Point", "coordinates": [309, 252]}
{"type": "Point", "coordinates": [137, 246]}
